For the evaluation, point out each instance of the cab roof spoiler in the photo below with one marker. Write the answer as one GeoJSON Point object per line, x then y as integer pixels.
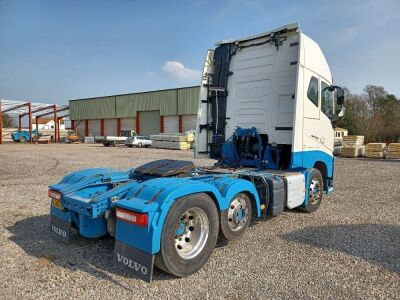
{"type": "Point", "coordinates": [282, 29]}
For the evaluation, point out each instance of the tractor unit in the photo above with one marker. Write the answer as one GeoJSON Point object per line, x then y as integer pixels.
{"type": "Point", "coordinates": [267, 109]}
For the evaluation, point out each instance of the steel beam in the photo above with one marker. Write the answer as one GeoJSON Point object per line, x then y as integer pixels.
{"type": "Point", "coordinates": [137, 122]}
{"type": "Point", "coordinates": [118, 126]}
{"type": "Point", "coordinates": [102, 127]}
{"type": "Point", "coordinates": [38, 110]}
{"type": "Point", "coordinates": [30, 121]}
{"type": "Point", "coordinates": [55, 122]}
{"type": "Point", "coordinates": [180, 123]}
{"type": "Point", "coordinates": [161, 124]}
{"type": "Point", "coordinates": [15, 107]}
{"type": "Point", "coordinates": [1, 125]}
{"type": "Point", "coordinates": [86, 127]}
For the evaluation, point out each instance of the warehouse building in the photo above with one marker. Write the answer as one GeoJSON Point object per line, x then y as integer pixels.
{"type": "Point", "coordinates": [163, 111]}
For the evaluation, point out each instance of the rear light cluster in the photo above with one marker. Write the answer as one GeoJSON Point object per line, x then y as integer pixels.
{"type": "Point", "coordinates": [54, 194]}
{"type": "Point", "coordinates": [132, 217]}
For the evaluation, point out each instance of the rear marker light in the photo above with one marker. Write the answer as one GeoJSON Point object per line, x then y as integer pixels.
{"type": "Point", "coordinates": [54, 194]}
{"type": "Point", "coordinates": [132, 217]}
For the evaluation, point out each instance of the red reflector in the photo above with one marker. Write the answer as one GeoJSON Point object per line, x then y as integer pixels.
{"type": "Point", "coordinates": [132, 217]}
{"type": "Point", "coordinates": [54, 194]}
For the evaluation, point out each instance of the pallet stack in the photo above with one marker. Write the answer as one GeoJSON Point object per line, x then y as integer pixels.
{"type": "Point", "coordinates": [375, 150]}
{"type": "Point", "coordinates": [177, 141]}
{"type": "Point", "coordinates": [352, 146]}
{"type": "Point", "coordinates": [393, 151]}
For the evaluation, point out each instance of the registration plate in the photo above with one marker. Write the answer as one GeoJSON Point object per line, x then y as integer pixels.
{"type": "Point", "coordinates": [56, 203]}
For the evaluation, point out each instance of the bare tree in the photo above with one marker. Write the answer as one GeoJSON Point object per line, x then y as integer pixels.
{"type": "Point", "coordinates": [8, 121]}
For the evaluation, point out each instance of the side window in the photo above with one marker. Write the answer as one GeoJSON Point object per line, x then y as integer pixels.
{"type": "Point", "coordinates": [312, 92]}
{"type": "Point", "coordinates": [326, 99]}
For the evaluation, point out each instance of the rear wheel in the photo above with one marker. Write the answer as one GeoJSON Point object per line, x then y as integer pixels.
{"type": "Point", "coordinates": [315, 191]}
{"type": "Point", "coordinates": [22, 139]}
{"type": "Point", "coordinates": [140, 145]}
{"type": "Point", "coordinates": [236, 219]}
{"type": "Point", "coordinates": [189, 235]}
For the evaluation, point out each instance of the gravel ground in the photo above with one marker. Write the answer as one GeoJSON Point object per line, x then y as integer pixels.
{"type": "Point", "coordinates": [349, 248]}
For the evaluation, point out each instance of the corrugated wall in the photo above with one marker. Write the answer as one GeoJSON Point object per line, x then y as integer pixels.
{"type": "Point", "coordinates": [188, 101]}
{"type": "Point", "coordinates": [169, 102]}
{"type": "Point", "coordinates": [164, 101]}
{"type": "Point", "coordinates": [96, 108]}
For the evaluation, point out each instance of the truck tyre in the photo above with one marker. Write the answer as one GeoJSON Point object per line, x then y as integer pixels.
{"type": "Point", "coordinates": [315, 192]}
{"type": "Point", "coordinates": [22, 139]}
{"type": "Point", "coordinates": [235, 220]}
{"type": "Point", "coordinates": [140, 145]}
{"type": "Point", "coordinates": [106, 144]}
{"type": "Point", "coordinates": [114, 144]}
{"type": "Point", "coordinates": [189, 235]}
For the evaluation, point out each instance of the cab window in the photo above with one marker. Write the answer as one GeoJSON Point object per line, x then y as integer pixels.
{"type": "Point", "coordinates": [326, 99]}
{"type": "Point", "coordinates": [312, 92]}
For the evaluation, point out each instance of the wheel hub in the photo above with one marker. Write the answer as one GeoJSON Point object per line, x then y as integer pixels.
{"type": "Point", "coordinates": [314, 191]}
{"type": "Point", "coordinates": [238, 213]}
{"type": "Point", "coordinates": [191, 233]}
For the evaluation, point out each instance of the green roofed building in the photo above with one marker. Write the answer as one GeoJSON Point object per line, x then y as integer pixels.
{"type": "Point", "coordinates": [163, 111]}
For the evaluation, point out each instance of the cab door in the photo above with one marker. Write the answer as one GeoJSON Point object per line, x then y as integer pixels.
{"type": "Point", "coordinates": [312, 114]}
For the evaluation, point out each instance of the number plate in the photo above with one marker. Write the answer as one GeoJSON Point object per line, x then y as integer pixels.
{"type": "Point", "coordinates": [57, 203]}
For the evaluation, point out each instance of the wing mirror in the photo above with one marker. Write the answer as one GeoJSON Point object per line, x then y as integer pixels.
{"type": "Point", "coordinates": [338, 100]}
{"type": "Point", "coordinates": [339, 96]}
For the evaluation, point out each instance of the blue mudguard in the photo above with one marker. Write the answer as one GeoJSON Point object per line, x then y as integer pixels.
{"type": "Point", "coordinates": [156, 196]}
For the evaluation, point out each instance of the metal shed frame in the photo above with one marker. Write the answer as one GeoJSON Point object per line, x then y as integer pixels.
{"type": "Point", "coordinates": [29, 109]}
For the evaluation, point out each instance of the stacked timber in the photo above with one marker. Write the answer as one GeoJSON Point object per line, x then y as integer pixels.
{"type": "Point", "coordinates": [177, 141]}
{"type": "Point", "coordinates": [353, 140]}
{"type": "Point", "coordinates": [352, 146]}
{"type": "Point", "coordinates": [393, 151]}
{"type": "Point", "coordinates": [374, 150]}
{"type": "Point", "coordinates": [355, 151]}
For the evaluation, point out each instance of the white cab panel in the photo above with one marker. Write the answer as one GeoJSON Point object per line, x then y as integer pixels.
{"type": "Point", "coordinates": [203, 137]}
{"type": "Point", "coordinates": [262, 88]}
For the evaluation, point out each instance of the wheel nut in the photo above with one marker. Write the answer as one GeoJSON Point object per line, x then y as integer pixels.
{"type": "Point", "coordinates": [191, 228]}
{"type": "Point", "coordinates": [187, 240]}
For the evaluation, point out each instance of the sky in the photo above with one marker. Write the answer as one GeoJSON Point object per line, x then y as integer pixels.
{"type": "Point", "coordinates": [53, 51]}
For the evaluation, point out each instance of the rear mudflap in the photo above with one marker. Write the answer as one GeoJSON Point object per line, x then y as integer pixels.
{"type": "Point", "coordinates": [134, 261]}
{"type": "Point", "coordinates": [60, 227]}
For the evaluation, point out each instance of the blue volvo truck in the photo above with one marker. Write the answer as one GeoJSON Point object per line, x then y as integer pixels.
{"type": "Point", "coordinates": [267, 108]}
